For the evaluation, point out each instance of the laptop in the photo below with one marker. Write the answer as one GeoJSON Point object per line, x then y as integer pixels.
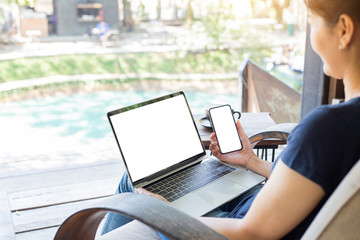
{"type": "Point", "coordinates": [163, 153]}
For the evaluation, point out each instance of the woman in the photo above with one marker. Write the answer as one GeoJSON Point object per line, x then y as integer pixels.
{"type": "Point", "coordinates": [321, 149]}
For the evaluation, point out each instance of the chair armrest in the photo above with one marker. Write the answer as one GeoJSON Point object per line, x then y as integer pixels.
{"type": "Point", "coordinates": [153, 212]}
{"type": "Point", "coordinates": [279, 131]}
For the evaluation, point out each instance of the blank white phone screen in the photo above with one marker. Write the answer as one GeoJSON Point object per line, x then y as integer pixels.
{"type": "Point", "coordinates": [225, 129]}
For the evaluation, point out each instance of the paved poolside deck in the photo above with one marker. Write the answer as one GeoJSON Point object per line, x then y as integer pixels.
{"type": "Point", "coordinates": [51, 198]}
{"type": "Point", "coordinates": [41, 196]}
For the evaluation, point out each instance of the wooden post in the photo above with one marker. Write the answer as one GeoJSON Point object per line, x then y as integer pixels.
{"type": "Point", "coordinates": [318, 88]}
{"type": "Point", "coordinates": [314, 78]}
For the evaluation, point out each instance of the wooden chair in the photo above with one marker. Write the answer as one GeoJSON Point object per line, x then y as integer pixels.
{"type": "Point", "coordinates": [338, 219]}
{"type": "Point", "coordinates": [262, 92]}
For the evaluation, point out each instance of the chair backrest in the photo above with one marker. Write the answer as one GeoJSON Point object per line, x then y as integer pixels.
{"type": "Point", "coordinates": [339, 218]}
{"type": "Point", "coordinates": [262, 92]}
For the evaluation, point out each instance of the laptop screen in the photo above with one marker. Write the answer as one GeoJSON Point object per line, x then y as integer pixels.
{"type": "Point", "coordinates": [155, 135]}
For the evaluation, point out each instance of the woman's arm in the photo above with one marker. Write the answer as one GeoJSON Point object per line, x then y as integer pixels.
{"type": "Point", "coordinates": [245, 157]}
{"type": "Point", "coordinates": [284, 202]}
{"type": "Point", "coordinates": [259, 166]}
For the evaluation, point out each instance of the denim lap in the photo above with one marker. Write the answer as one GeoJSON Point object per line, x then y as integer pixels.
{"type": "Point", "coordinates": [115, 220]}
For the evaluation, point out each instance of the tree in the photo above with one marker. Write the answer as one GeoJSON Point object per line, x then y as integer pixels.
{"type": "Point", "coordinates": [128, 19]}
{"type": "Point", "coordinates": [189, 13]}
{"type": "Point", "coordinates": [158, 9]}
{"type": "Point", "coordinates": [279, 7]}
{"type": "Point", "coordinates": [216, 22]}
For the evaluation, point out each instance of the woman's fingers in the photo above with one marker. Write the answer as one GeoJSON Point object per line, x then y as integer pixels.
{"type": "Point", "coordinates": [244, 138]}
{"type": "Point", "coordinates": [213, 137]}
{"type": "Point", "coordinates": [240, 129]}
{"type": "Point", "coordinates": [214, 148]}
{"type": "Point", "coordinates": [143, 191]}
{"type": "Point", "coordinates": [146, 192]}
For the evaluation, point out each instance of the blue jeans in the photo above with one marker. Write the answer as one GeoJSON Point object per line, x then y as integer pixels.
{"type": "Point", "coordinates": [236, 208]}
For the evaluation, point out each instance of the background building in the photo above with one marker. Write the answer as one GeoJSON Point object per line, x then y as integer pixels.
{"type": "Point", "coordinates": [74, 17]}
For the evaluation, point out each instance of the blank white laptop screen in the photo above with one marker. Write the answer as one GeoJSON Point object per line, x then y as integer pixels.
{"type": "Point", "coordinates": [156, 136]}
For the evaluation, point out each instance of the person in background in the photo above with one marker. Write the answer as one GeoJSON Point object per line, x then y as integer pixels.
{"type": "Point", "coordinates": [102, 28]}
{"type": "Point", "coordinates": [105, 33]}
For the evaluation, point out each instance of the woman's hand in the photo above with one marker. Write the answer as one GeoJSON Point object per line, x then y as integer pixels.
{"type": "Point", "coordinates": [146, 192]}
{"type": "Point", "coordinates": [241, 157]}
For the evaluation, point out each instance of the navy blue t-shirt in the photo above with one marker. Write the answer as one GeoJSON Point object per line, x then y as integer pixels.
{"type": "Point", "coordinates": [323, 148]}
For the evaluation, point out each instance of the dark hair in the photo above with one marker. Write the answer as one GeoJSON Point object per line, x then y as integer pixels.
{"type": "Point", "coordinates": [331, 10]}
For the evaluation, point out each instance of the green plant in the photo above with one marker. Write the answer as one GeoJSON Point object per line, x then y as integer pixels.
{"type": "Point", "coordinates": [207, 62]}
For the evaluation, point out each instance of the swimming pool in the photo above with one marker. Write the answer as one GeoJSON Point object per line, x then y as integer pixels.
{"type": "Point", "coordinates": [86, 112]}
{"type": "Point", "coordinates": [61, 129]}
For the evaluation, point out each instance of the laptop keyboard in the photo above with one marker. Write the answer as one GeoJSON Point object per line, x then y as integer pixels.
{"type": "Point", "coordinates": [188, 180]}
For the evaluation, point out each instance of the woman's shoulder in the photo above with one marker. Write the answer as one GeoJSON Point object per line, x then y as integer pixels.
{"type": "Point", "coordinates": [325, 145]}
{"type": "Point", "coordinates": [338, 117]}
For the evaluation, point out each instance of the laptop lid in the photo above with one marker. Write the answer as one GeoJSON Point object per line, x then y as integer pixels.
{"type": "Point", "coordinates": [156, 137]}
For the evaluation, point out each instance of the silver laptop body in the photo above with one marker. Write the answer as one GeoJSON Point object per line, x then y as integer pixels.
{"type": "Point", "coordinates": [158, 138]}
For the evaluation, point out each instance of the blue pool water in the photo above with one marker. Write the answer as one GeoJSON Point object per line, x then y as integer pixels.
{"type": "Point", "coordinates": [84, 114]}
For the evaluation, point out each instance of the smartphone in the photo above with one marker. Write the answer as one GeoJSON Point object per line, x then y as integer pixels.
{"type": "Point", "coordinates": [224, 126]}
